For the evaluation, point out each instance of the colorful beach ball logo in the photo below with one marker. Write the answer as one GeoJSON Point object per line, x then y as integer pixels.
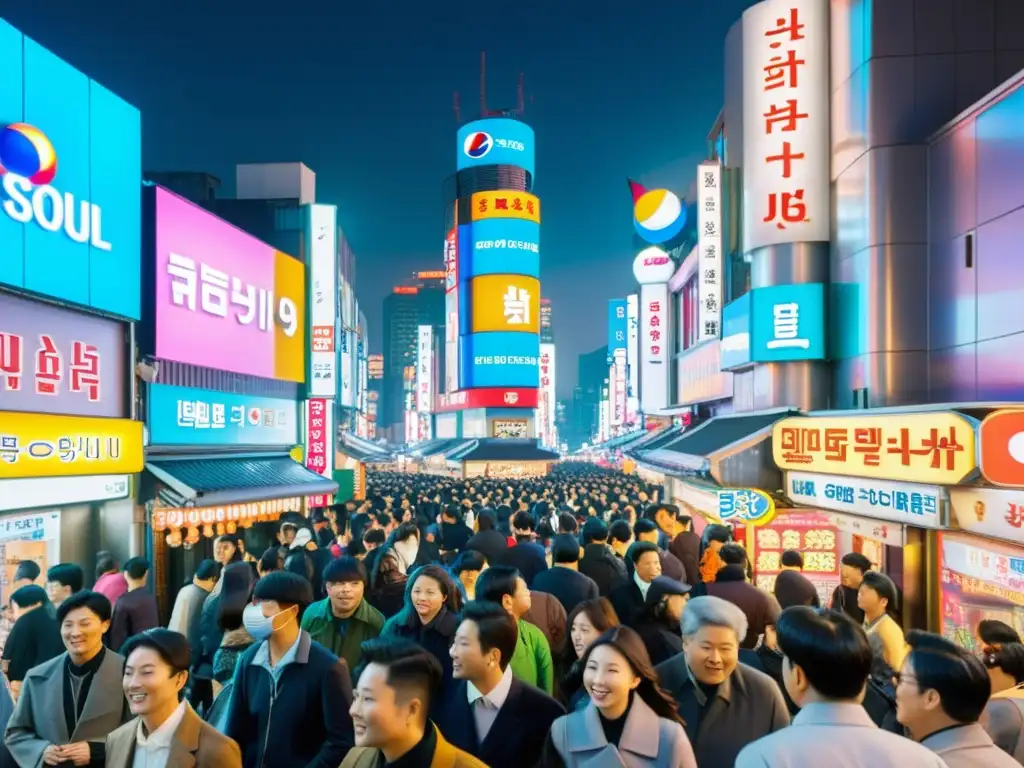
{"type": "Point", "coordinates": [477, 144]}
{"type": "Point", "coordinates": [658, 216]}
{"type": "Point", "coordinates": [25, 151]}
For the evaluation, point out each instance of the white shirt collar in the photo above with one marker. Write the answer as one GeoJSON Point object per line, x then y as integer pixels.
{"type": "Point", "coordinates": [162, 737]}
{"type": "Point", "coordinates": [643, 585]}
{"type": "Point", "coordinates": [496, 698]}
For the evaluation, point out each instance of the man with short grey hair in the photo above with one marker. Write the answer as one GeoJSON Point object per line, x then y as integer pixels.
{"type": "Point", "coordinates": [725, 705]}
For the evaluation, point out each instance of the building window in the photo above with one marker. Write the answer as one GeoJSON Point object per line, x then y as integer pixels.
{"type": "Point", "coordinates": [687, 321]}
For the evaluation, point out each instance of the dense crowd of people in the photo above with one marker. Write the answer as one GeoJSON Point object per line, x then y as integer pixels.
{"type": "Point", "coordinates": [572, 620]}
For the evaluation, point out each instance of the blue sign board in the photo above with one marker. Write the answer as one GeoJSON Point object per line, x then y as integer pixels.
{"type": "Point", "coordinates": [495, 141]}
{"type": "Point", "coordinates": [735, 344]}
{"type": "Point", "coordinates": [186, 416]}
{"type": "Point", "coordinates": [618, 325]}
{"type": "Point", "coordinates": [71, 194]}
{"type": "Point", "coordinates": [499, 247]}
{"type": "Point", "coordinates": [787, 323]}
{"type": "Point", "coordinates": [745, 505]}
{"type": "Point", "coordinates": [499, 359]}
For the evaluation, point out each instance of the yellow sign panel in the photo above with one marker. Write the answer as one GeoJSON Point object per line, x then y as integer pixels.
{"type": "Point", "coordinates": [933, 448]}
{"type": "Point", "coordinates": [505, 303]}
{"type": "Point", "coordinates": [37, 445]}
{"type": "Point", "coordinates": [505, 204]}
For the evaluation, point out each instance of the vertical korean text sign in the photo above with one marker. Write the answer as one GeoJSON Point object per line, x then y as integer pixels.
{"type": "Point", "coordinates": [786, 123]}
{"type": "Point", "coordinates": [710, 261]}
{"type": "Point", "coordinates": [225, 300]}
{"type": "Point", "coordinates": [71, 160]}
{"type": "Point", "coordinates": [322, 236]}
{"type": "Point", "coordinates": [425, 369]}
{"type": "Point", "coordinates": [618, 325]}
{"type": "Point", "coordinates": [319, 444]}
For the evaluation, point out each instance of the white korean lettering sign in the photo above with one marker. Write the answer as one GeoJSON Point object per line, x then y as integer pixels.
{"type": "Point", "coordinates": [633, 356]}
{"type": "Point", "coordinates": [517, 306]}
{"type": "Point", "coordinates": [617, 390]}
{"type": "Point", "coordinates": [654, 345]}
{"type": "Point", "coordinates": [786, 123]}
{"type": "Point", "coordinates": [710, 260]}
{"type": "Point", "coordinates": [425, 369]}
{"type": "Point", "coordinates": [322, 236]}
{"type": "Point", "coordinates": [905, 503]}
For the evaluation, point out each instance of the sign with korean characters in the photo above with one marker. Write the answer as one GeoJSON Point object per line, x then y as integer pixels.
{"type": "Point", "coordinates": [187, 416]}
{"type": "Point", "coordinates": [617, 326]}
{"type": "Point", "coordinates": [322, 237]}
{"type": "Point", "coordinates": [934, 448]}
{"type": "Point", "coordinates": [425, 369]}
{"type": "Point", "coordinates": [998, 513]}
{"type": "Point", "coordinates": [505, 204]}
{"type": "Point", "coordinates": [1001, 447]}
{"type": "Point", "coordinates": [504, 303]}
{"type": "Point", "coordinates": [546, 425]}
{"type": "Point", "coordinates": [225, 300]}
{"type": "Point", "coordinates": [905, 503]}
{"type": "Point", "coordinates": [38, 445]}
{"type": "Point", "coordinates": [633, 357]}
{"type": "Point", "coordinates": [786, 123]}
{"type": "Point", "coordinates": [709, 251]}
{"type": "Point", "coordinates": [787, 323]}
{"type": "Point", "coordinates": [654, 343]}
{"type": "Point", "coordinates": [319, 444]}
{"type": "Point", "coordinates": [745, 505]}
{"type": "Point", "coordinates": [59, 361]}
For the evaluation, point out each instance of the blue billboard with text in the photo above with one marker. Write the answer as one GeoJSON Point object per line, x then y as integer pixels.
{"type": "Point", "coordinates": [618, 325]}
{"type": "Point", "coordinates": [787, 323]}
{"type": "Point", "coordinates": [499, 247]}
{"type": "Point", "coordinates": [186, 416]}
{"type": "Point", "coordinates": [499, 359]}
{"type": "Point", "coordinates": [495, 141]}
{"type": "Point", "coordinates": [71, 173]}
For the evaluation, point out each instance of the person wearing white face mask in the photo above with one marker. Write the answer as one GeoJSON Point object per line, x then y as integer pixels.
{"type": "Point", "coordinates": [288, 684]}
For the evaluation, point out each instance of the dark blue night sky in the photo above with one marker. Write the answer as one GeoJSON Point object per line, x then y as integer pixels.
{"type": "Point", "coordinates": [362, 93]}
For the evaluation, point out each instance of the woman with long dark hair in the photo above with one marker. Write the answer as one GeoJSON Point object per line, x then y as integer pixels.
{"type": "Point", "coordinates": [587, 622]}
{"type": "Point", "coordinates": [430, 614]}
{"type": "Point", "coordinates": [628, 717]}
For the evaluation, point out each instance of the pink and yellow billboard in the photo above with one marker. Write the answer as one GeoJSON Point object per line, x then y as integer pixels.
{"type": "Point", "coordinates": [224, 299]}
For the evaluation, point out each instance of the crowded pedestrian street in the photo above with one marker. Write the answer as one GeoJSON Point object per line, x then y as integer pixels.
{"type": "Point", "coordinates": [570, 619]}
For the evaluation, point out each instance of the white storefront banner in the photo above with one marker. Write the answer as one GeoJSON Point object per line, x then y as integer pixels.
{"type": "Point", "coordinates": [786, 123]}
{"type": "Point", "coordinates": [425, 370]}
{"type": "Point", "coordinates": [654, 345]}
{"type": "Point", "coordinates": [632, 357]}
{"type": "Point", "coordinates": [32, 492]}
{"type": "Point", "coordinates": [994, 512]}
{"type": "Point", "coordinates": [617, 388]}
{"type": "Point", "coordinates": [710, 260]}
{"type": "Point", "coordinates": [323, 300]}
{"type": "Point", "coordinates": [904, 503]}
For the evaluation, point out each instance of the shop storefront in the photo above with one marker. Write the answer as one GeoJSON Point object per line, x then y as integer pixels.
{"type": "Point", "coordinates": [70, 236]}
{"type": "Point", "coordinates": [883, 479]}
{"type": "Point", "coordinates": [227, 412]}
{"type": "Point", "coordinates": [981, 572]}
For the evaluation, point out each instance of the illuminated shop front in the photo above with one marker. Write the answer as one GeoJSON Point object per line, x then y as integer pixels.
{"type": "Point", "coordinates": [883, 478]}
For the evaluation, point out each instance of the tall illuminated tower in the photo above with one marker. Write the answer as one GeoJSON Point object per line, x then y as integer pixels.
{"type": "Point", "coordinates": [493, 301]}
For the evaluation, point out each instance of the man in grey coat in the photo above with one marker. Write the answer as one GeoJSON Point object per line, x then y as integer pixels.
{"type": "Point", "coordinates": [69, 704]}
{"type": "Point", "coordinates": [725, 704]}
{"type": "Point", "coordinates": [942, 692]}
{"type": "Point", "coordinates": [825, 670]}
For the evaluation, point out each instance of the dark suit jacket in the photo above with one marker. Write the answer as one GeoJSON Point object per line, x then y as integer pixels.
{"type": "Point", "coordinates": [529, 558]}
{"type": "Point", "coordinates": [195, 745]}
{"type": "Point", "coordinates": [135, 612]}
{"type": "Point", "coordinates": [627, 602]}
{"type": "Point", "coordinates": [517, 736]}
{"type": "Point", "coordinates": [760, 607]}
{"type": "Point", "coordinates": [747, 706]}
{"type": "Point", "coordinates": [601, 564]}
{"type": "Point", "coordinates": [671, 567]}
{"type": "Point", "coordinates": [686, 547]}
{"type": "Point", "coordinates": [570, 587]}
